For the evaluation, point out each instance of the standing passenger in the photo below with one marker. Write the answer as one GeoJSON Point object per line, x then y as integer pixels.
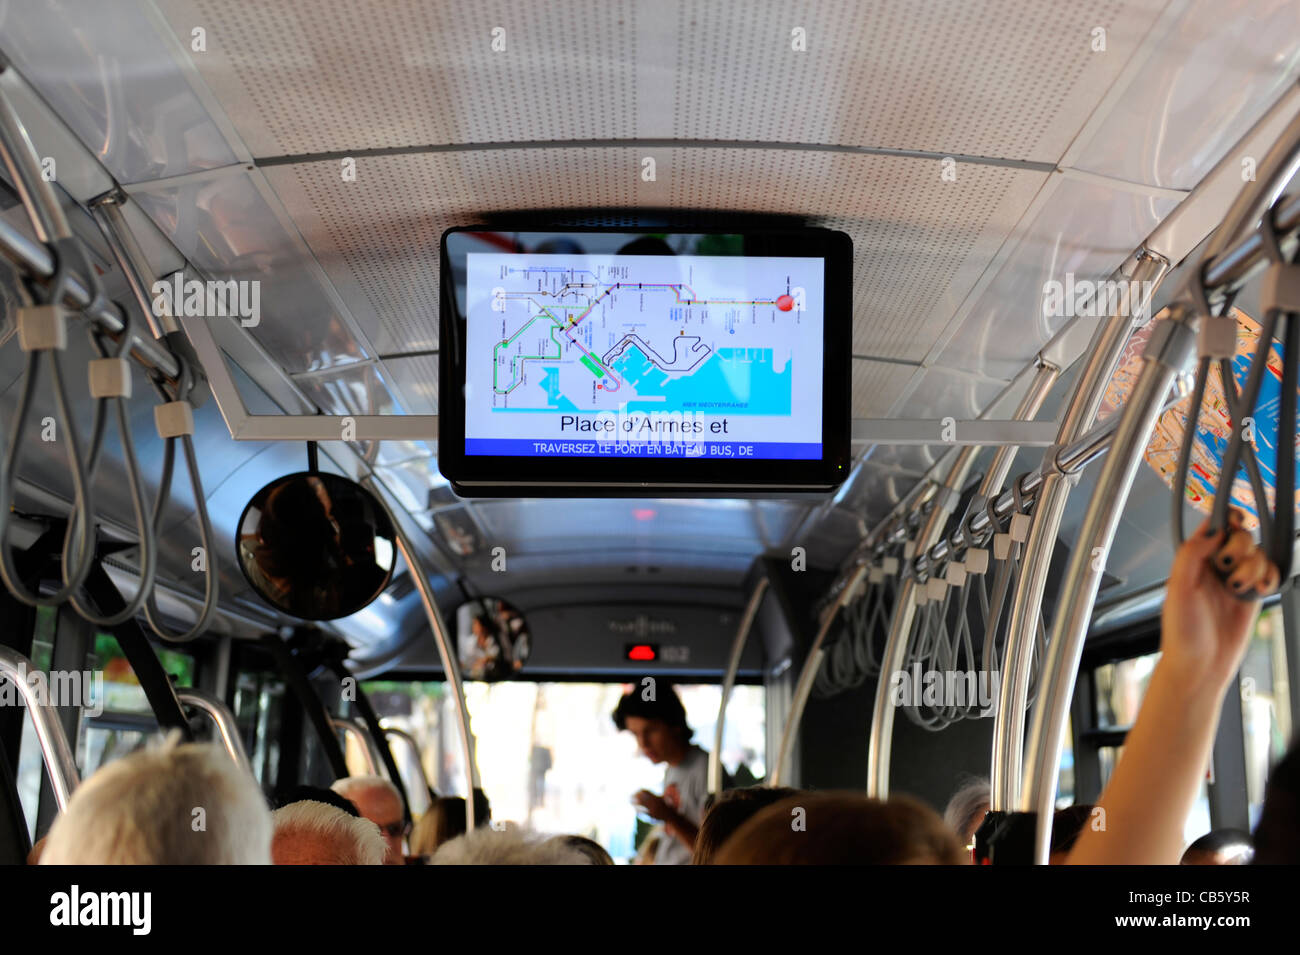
{"type": "Point", "coordinates": [379, 801]}
{"type": "Point", "coordinates": [656, 717]}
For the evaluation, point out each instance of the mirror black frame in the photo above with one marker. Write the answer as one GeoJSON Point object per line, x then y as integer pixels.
{"type": "Point", "coordinates": [382, 521]}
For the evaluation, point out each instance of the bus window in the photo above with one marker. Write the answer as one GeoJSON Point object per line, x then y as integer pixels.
{"type": "Point", "coordinates": [1120, 687]}
{"type": "Point", "coordinates": [258, 702]}
{"type": "Point", "coordinates": [123, 721]}
{"type": "Point", "coordinates": [1265, 705]}
{"type": "Point", "coordinates": [31, 769]}
{"type": "Point", "coordinates": [549, 755]}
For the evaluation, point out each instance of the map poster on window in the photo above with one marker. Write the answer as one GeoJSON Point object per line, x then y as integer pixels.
{"type": "Point", "coordinates": [1214, 427]}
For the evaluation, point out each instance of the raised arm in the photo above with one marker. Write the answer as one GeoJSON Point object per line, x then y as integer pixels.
{"type": "Point", "coordinates": [1204, 631]}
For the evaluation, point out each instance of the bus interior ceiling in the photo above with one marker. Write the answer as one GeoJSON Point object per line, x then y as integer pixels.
{"type": "Point", "coordinates": [971, 156]}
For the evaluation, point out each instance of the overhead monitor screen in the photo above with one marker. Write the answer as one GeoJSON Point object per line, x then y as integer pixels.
{"type": "Point", "coordinates": [639, 361]}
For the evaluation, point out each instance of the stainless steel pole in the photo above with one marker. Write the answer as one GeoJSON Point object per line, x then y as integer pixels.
{"type": "Point", "coordinates": [900, 630]}
{"type": "Point", "coordinates": [24, 165]}
{"type": "Point", "coordinates": [729, 678]}
{"type": "Point", "coordinates": [1164, 356]}
{"type": "Point", "coordinates": [398, 733]}
{"type": "Point", "coordinates": [49, 223]}
{"type": "Point", "coordinates": [222, 718]}
{"type": "Point", "coordinates": [809, 673]}
{"type": "Point", "coordinates": [37, 261]}
{"type": "Point", "coordinates": [1039, 388]}
{"type": "Point", "coordinates": [1103, 356]}
{"type": "Point", "coordinates": [374, 763]}
{"type": "Point", "coordinates": [450, 664]}
{"type": "Point", "coordinates": [60, 765]}
{"type": "Point", "coordinates": [132, 261]}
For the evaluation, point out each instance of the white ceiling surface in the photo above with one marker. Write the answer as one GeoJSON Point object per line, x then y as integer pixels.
{"type": "Point", "coordinates": [1067, 157]}
{"type": "Point", "coordinates": [996, 78]}
{"type": "Point", "coordinates": [917, 240]}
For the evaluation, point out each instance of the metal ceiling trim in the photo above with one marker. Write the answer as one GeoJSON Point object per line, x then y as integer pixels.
{"type": "Point", "coordinates": [185, 179]}
{"type": "Point", "coordinates": [337, 155]}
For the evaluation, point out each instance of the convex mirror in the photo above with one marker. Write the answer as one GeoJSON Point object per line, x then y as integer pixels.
{"type": "Point", "coordinates": [317, 546]}
{"type": "Point", "coordinates": [493, 641]}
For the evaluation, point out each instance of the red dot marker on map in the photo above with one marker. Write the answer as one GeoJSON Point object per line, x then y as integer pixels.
{"type": "Point", "coordinates": [785, 303]}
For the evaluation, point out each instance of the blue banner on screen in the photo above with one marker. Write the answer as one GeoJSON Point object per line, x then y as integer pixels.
{"type": "Point", "coordinates": [644, 356]}
{"type": "Point", "coordinates": [524, 447]}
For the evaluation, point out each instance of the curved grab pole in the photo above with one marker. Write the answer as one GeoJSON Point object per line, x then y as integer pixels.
{"type": "Point", "coordinates": [900, 627]}
{"type": "Point", "coordinates": [34, 190]}
{"type": "Point", "coordinates": [59, 763]}
{"type": "Point", "coordinates": [358, 732]}
{"type": "Point", "coordinates": [1164, 356]}
{"type": "Point", "coordinates": [398, 733]}
{"type": "Point", "coordinates": [1103, 356]}
{"type": "Point", "coordinates": [1039, 388]}
{"type": "Point", "coordinates": [811, 665]}
{"type": "Point", "coordinates": [222, 718]}
{"type": "Point", "coordinates": [450, 666]}
{"type": "Point", "coordinates": [729, 680]}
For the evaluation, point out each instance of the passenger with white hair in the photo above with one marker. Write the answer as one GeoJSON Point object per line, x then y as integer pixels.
{"type": "Point", "coordinates": [169, 804]}
{"type": "Point", "coordinates": [967, 809]}
{"type": "Point", "coordinates": [315, 833]}
{"type": "Point", "coordinates": [508, 847]}
{"type": "Point", "coordinates": [379, 801]}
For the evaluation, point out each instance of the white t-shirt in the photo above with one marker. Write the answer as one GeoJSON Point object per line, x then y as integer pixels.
{"type": "Point", "coordinates": [686, 786]}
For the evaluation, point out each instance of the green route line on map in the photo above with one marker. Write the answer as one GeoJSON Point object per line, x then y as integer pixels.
{"type": "Point", "coordinates": [519, 359]}
{"type": "Point", "coordinates": [573, 323]}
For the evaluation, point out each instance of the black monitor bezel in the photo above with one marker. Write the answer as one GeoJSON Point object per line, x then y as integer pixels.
{"type": "Point", "coordinates": [482, 475]}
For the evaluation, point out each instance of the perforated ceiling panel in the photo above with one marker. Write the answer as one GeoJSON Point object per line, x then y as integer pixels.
{"type": "Point", "coordinates": [377, 237]}
{"type": "Point", "coordinates": [993, 78]}
{"type": "Point", "coordinates": [875, 386]}
{"type": "Point", "coordinates": [990, 78]}
{"type": "Point", "coordinates": [304, 76]}
{"type": "Point", "coordinates": [920, 241]}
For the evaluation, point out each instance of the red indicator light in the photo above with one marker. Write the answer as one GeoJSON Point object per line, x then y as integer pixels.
{"type": "Point", "coordinates": [642, 652]}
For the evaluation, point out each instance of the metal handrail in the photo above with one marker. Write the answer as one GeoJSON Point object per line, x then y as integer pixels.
{"type": "Point", "coordinates": [729, 678]}
{"type": "Point", "coordinates": [450, 664]}
{"type": "Point", "coordinates": [49, 223]}
{"type": "Point", "coordinates": [222, 719]}
{"type": "Point", "coordinates": [358, 731]}
{"type": "Point", "coordinates": [1039, 388]}
{"type": "Point", "coordinates": [811, 665]}
{"type": "Point", "coordinates": [879, 749]}
{"type": "Point", "coordinates": [1083, 576]}
{"type": "Point", "coordinates": [1227, 271]}
{"type": "Point", "coordinates": [34, 190]}
{"type": "Point", "coordinates": [1013, 700]}
{"type": "Point", "coordinates": [55, 752]}
{"type": "Point", "coordinates": [1163, 358]}
{"type": "Point", "coordinates": [900, 625]}
{"type": "Point", "coordinates": [399, 733]}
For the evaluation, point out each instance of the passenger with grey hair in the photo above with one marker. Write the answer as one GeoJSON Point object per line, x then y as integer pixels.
{"type": "Point", "coordinates": [168, 804]}
{"type": "Point", "coordinates": [591, 850]}
{"type": "Point", "coordinates": [315, 833]}
{"type": "Point", "coordinates": [379, 801]}
{"type": "Point", "coordinates": [508, 847]}
{"type": "Point", "coordinates": [967, 809]}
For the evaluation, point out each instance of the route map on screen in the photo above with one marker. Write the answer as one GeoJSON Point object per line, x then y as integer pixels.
{"type": "Point", "coordinates": [644, 356]}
